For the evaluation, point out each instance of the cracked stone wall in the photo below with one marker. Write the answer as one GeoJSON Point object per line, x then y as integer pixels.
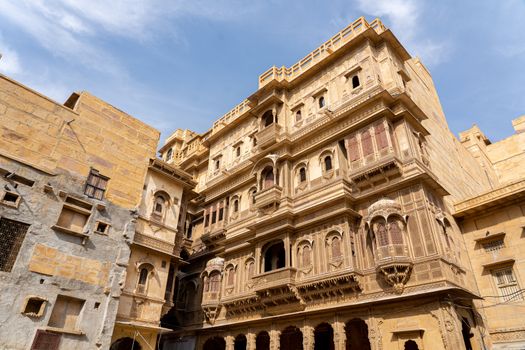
{"type": "Point", "coordinates": [55, 146]}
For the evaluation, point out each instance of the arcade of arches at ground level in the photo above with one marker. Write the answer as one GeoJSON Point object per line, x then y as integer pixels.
{"type": "Point", "coordinates": [320, 337]}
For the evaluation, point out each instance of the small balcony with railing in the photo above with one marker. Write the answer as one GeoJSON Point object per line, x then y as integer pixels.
{"type": "Point", "coordinates": [268, 136]}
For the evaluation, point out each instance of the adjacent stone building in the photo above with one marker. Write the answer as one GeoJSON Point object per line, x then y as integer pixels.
{"type": "Point", "coordinates": [336, 210]}
{"type": "Point", "coordinates": [147, 293]}
{"type": "Point", "coordinates": [71, 178]}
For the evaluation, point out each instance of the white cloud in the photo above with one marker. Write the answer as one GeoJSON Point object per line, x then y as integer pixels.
{"type": "Point", "coordinates": [403, 17]}
{"type": "Point", "coordinates": [9, 63]}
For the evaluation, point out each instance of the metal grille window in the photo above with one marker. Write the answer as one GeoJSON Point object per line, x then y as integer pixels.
{"type": "Point", "coordinates": [96, 185]}
{"type": "Point", "coordinates": [507, 284]}
{"type": "Point", "coordinates": [12, 235]}
{"type": "Point", "coordinates": [493, 245]}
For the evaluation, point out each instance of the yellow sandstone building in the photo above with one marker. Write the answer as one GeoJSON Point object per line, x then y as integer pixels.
{"type": "Point", "coordinates": [331, 209]}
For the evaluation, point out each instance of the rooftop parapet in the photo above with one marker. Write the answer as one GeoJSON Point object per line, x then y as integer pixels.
{"type": "Point", "coordinates": [336, 42]}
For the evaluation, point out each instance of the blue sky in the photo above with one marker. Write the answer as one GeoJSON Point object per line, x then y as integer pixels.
{"type": "Point", "coordinates": [183, 64]}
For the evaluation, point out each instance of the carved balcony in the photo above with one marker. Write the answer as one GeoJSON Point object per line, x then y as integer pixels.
{"type": "Point", "coordinates": [268, 197]}
{"type": "Point", "coordinates": [277, 291]}
{"type": "Point", "coordinates": [329, 286]}
{"type": "Point", "coordinates": [268, 136]}
{"type": "Point", "coordinates": [395, 264]}
{"type": "Point", "coordinates": [154, 243]}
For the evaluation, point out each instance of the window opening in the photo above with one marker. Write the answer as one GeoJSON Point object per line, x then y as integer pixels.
{"type": "Point", "coordinates": [328, 163]}
{"type": "Point", "coordinates": [96, 185]}
{"type": "Point", "coordinates": [355, 81]}
{"type": "Point", "coordinates": [302, 175]}
{"type": "Point", "coordinates": [12, 234]}
{"type": "Point", "coordinates": [322, 102]}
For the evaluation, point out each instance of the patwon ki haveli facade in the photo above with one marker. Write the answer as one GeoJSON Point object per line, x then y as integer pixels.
{"type": "Point", "coordinates": [331, 209]}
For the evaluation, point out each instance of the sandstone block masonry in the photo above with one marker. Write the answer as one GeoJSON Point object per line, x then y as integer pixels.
{"type": "Point", "coordinates": [71, 177]}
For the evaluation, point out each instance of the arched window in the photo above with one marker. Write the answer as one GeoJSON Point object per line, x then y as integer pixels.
{"type": "Point", "coordinates": [231, 277]}
{"type": "Point", "coordinates": [394, 230]}
{"type": "Point", "coordinates": [235, 205]}
{"type": "Point", "coordinates": [411, 345]}
{"type": "Point", "coordinates": [336, 248]}
{"type": "Point", "coordinates": [306, 256]}
{"type": "Point", "coordinates": [159, 205]}
{"type": "Point", "coordinates": [268, 118]}
{"type": "Point", "coordinates": [381, 233]}
{"type": "Point", "coordinates": [252, 192]}
{"type": "Point", "coordinates": [298, 116]}
{"type": "Point", "coordinates": [238, 151]}
{"type": "Point", "coordinates": [302, 175]}
{"type": "Point", "coordinates": [267, 177]}
{"type": "Point", "coordinates": [355, 81]}
{"type": "Point", "coordinates": [215, 282]}
{"type": "Point", "coordinates": [143, 278]}
{"type": "Point", "coordinates": [327, 163]}
{"type": "Point", "coordinates": [250, 268]}
{"type": "Point", "coordinates": [322, 102]}
{"type": "Point", "coordinates": [274, 256]}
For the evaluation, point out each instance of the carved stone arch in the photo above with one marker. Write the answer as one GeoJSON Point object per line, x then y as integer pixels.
{"type": "Point", "coordinates": [263, 165]}
{"type": "Point", "coordinates": [334, 245]}
{"type": "Point", "coordinates": [304, 254]}
{"type": "Point", "coordinates": [323, 163]}
{"type": "Point", "coordinates": [298, 176]}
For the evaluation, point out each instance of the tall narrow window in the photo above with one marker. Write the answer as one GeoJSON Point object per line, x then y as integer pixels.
{"type": "Point", "coordinates": [302, 175]}
{"type": "Point", "coordinates": [327, 163]}
{"type": "Point", "coordinates": [96, 184]}
{"type": "Point", "coordinates": [217, 164]}
{"type": "Point", "coordinates": [236, 206]}
{"type": "Point", "coordinates": [12, 234]}
{"type": "Point", "coordinates": [355, 81]}
{"type": "Point", "coordinates": [215, 282]}
{"type": "Point", "coordinates": [238, 151]}
{"type": "Point", "coordinates": [353, 149]}
{"type": "Point", "coordinates": [142, 283]}
{"type": "Point", "coordinates": [381, 138]}
{"type": "Point", "coordinates": [366, 141]}
{"type": "Point", "coordinates": [322, 102]}
{"type": "Point", "coordinates": [336, 248]}
{"type": "Point", "coordinates": [159, 205]}
{"type": "Point", "coordinates": [298, 116]}
{"type": "Point", "coordinates": [507, 284]}
{"type": "Point", "coordinates": [231, 277]}
{"type": "Point", "coordinates": [306, 258]}
{"type": "Point", "coordinates": [382, 235]}
{"type": "Point", "coordinates": [213, 217]}
{"type": "Point", "coordinates": [169, 154]}
{"type": "Point", "coordinates": [253, 192]}
{"type": "Point", "coordinates": [221, 213]}
{"type": "Point", "coordinates": [395, 231]}
{"type": "Point", "coordinates": [268, 118]}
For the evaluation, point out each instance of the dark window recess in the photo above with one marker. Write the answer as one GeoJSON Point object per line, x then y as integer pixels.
{"type": "Point", "coordinates": [213, 217]}
{"type": "Point", "coordinates": [328, 163]}
{"type": "Point", "coordinates": [101, 227]}
{"type": "Point", "coordinates": [298, 116]}
{"type": "Point", "coordinates": [19, 179]}
{"type": "Point", "coordinates": [235, 206]}
{"type": "Point", "coordinates": [217, 164]}
{"type": "Point", "coordinates": [221, 213]}
{"type": "Point", "coordinates": [10, 197]}
{"type": "Point", "coordinates": [238, 151]}
{"type": "Point", "coordinates": [169, 154]}
{"type": "Point", "coordinates": [12, 234]}
{"type": "Point", "coordinates": [322, 102]}
{"type": "Point", "coordinates": [302, 175]}
{"type": "Point", "coordinates": [45, 340]}
{"type": "Point", "coordinates": [33, 306]}
{"type": "Point", "coordinates": [355, 81]}
{"type": "Point", "coordinates": [96, 185]}
{"type": "Point", "coordinates": [206, 220]}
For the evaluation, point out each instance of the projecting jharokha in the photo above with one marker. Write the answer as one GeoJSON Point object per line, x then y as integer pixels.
{"type": "Point", "coordinates": [331, 209]}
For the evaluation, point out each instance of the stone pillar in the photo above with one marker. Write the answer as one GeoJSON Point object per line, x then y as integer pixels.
{"type": "Point", "coordinates": [287, 252]}
{"type": "Point", "coordinates": [308, 337]}
{"type": "Point", "coordinates": [251, 341]}
{"type": "Point", "coordinates": [275, 339]}
{"type": "Point", "coordinates": [230, 340]}
{"type": "Point", "coordinates": [339, 335]}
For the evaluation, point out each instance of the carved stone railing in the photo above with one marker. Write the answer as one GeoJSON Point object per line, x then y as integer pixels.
{"type": "Point", "coordinates": [323, 51]}
{"type": "Point", "coordinates": [277, 291]}
{"type": "Point", "coordinates": [153, 243]}
{"type": "Point", "coordinates": [268, 196]}
{"type": "Point", "coordinates": [333, 285]}
{"type": "Point", "coordinates": [268, 136]}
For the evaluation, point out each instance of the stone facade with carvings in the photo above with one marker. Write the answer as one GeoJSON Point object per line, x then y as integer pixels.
{"type": "Point", "coordinates": [334, 212]}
